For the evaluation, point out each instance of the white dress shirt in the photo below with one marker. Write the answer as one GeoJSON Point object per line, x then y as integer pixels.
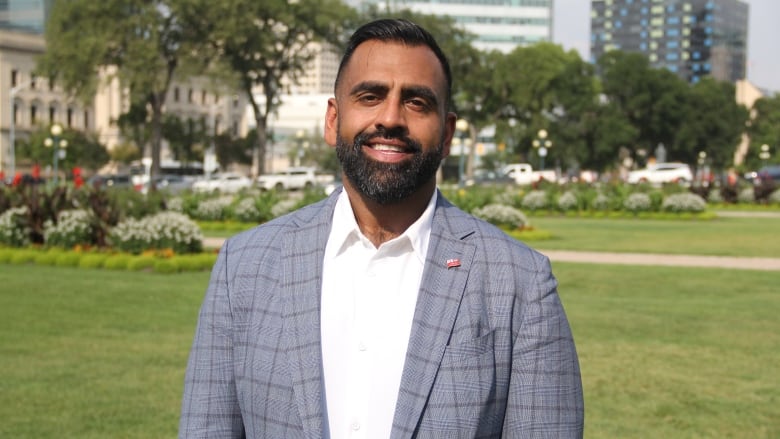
{"type": "Point", "coordinates": [368, 301]}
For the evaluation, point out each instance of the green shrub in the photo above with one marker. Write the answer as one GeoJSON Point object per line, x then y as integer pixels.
{"type": "Point", "coordinates": [503, 216]}
{"type": "Point", "coordinates": [165, 266]}
{"type": "Point", "coordinates": [140, 263]}
{"type": "Point", "coordinates": [117, 262]}
{"type": "Point", "coordinates": [6, 254]}
{"type": "Point", "coordinates": [68, 259]}
{"type": "Point", "coordinates": [23, 257]}
{"type": "Point", "coordinates": [14, 230]}
{"type": "Point", "coordinates": [93, 260]}
{"type": "Point", "coordinates": [48, 257]}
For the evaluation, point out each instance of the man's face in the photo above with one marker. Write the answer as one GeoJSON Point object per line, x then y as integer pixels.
{"type": "Point", "coordinates": [389, 121]}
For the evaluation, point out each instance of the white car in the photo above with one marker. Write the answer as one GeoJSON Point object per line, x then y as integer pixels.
{"type": "Point", "coordinates": [229, 182]}
{"type": "Point", "coordinates": [660, 173]}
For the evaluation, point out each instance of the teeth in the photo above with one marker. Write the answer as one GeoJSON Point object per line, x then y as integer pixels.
{"type": "Point", "coordinates": [380, 147]}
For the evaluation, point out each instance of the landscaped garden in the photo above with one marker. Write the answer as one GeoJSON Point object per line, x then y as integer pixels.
{"type": "Point", "coordinates": [94, 338]}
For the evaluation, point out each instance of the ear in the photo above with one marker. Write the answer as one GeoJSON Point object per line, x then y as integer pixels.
{"type": "Point", "coordinates": [331, 122]}
{"type": "Point", "coordinates": [449, 132]}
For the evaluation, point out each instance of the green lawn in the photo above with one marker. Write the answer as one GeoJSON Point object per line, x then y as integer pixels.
{"type": "Point", "coordinates": [756, 237]}
{"type": "Point", "coordinates": [665, 352]}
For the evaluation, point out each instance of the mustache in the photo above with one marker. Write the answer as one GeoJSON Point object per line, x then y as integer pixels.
{"type": "Point", "coordinates": [384, 133]}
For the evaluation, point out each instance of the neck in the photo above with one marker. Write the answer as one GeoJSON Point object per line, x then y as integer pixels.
{"type": "Point", "coordinates": [383, 222]}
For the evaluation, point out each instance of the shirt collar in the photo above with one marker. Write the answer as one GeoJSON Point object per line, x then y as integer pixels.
{"type": "Point", "coordinates": [345, 231]}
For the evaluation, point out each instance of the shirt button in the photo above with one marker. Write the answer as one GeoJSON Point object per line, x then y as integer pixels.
{"type": "Point", "coordinates": [362, 346]}
{"type": "Point", "coordinates": [355, 426]}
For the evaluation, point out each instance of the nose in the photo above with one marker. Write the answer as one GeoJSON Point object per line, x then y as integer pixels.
{"type": "Point", "coordinates": [391, 114]}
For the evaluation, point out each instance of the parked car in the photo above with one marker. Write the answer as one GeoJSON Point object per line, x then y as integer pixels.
{"type": "Point", "coordinates": [294, 178]}
{"type": "Point", "coordinates": [113, 181]}
{"type": "Point", "coordinates": [229, 182]}
{"type": "Point", "coordinates": [766, 174]}
{"type": "Point", "coordinates": [524, 174]}
{"type": "Point", "coordinates": [172, 184]}
{"type": "Point", "coordinates": [660, 173]}
{"type": "Point", "coordinates": [485, 177]}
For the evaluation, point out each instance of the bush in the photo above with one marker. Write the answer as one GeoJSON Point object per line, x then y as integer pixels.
{"type": "Point", "coordinates": [93, 260]}
{"type": "Point", "coordinates": [48, 257]}
{"type": "Point", "coordinates": [502, 216]}
{"type": "Point", "coordinates": [567, 201]}
{"type": "Point", "coordinates": [283, 207]}
{"type": "Point", "coordinates": [67, 259]}
{"type": "Point", "coordinates": [23, 257]}
{"type": "Point", "coordinates": [165, 266]}
{"type": "Point", "coordinates": [164, 230]}
{"type": "Point", "coordinates": [117, 262]}
{"type": "Point", "coordinates": [600, 202]}
{"type": "Point", "coordinates": [746, 195]}
{"type": "Point", "coordinates": [535, 200]}
{"type": "Point", "coordinates": [774, 197]}
{"type": "Point", "coordinates": [684, 202]}
{"type": "Point", "coordinates": [638, 202]}
{"type": "Point", "coordinates": [14, 231]}
{"type": "Point", "coordinates": [139, 263]}
{"type": "Point", "coordinates": [74, 227]}
{"type": "Point", "coordinates": [246, 211]}
{"type": "Point", "coordinates": [213, 209]}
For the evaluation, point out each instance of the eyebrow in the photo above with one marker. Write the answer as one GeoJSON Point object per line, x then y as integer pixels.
{"type": "Point", "coordinates": [406, 92]}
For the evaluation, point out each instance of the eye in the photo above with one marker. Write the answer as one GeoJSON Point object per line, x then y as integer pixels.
{"type": "Point", "coordinates": [368, 98]}
{"type": "Point", "coordinates": [418, 104]}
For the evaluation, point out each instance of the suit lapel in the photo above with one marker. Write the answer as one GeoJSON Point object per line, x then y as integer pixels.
{"type": "Point", "coordinates": [444, 280]}
{"type": "Point", "coordinates": [301, 281]}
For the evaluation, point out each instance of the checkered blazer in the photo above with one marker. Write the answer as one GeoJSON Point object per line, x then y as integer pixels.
{"type": "Point", "coordinates": [490, 352]}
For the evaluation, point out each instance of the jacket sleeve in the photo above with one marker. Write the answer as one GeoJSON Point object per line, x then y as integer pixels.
{"type": "Point", "coordinates": [545, 394]}
{"type": "Point", "coordinates": [210, 406]}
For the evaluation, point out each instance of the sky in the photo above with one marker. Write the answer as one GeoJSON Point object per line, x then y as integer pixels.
{"type": "Point", "coordinates": [571, 29]}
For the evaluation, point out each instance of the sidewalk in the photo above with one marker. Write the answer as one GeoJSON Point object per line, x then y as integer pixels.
{"type": "Point", "coordinates": [767, 264]}
{"type": "Point", "coordinates": [740, 263]}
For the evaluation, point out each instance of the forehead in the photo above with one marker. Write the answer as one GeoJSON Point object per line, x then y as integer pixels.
{"type": "Point", "coordinates": [394, 63]}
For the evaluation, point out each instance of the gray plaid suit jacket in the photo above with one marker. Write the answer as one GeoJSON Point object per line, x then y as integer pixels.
{"type": "Point", "coordinates": [490, 353]}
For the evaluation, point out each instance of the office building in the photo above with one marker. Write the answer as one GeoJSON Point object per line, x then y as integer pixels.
{"type": "Point", "coordinates": [24, 15]}
{"type": "Point", "coordinates": [497, 24]}
{"type": "Point", "coordinates": [692, 38]}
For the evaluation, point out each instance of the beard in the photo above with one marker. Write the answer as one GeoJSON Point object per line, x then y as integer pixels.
{"type": "Point", "coordinates": [387, 183]}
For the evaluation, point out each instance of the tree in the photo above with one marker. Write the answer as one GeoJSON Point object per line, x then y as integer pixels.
{"type": "Point", "coordinates": [83, 150]}
{"type": "Point", "coordinates": [652, 100]}
{"type": "Point", "coordinates": [140, 42]}
{"type": "Point", "coordinates": [765, 130]}
{"type": "Point", "coordinates": [262, 42]}
{"type": "Point", "coordinates": [713, 124]}
{"type": "Point", "coordinates": [185, 137]}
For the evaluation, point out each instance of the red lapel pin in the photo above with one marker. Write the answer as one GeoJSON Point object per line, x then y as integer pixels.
{"type": "Point", "coordinates": [452, 263]}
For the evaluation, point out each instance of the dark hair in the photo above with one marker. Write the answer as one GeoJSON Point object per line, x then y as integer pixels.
{"type": "Point", "coordinates": [396, 30]}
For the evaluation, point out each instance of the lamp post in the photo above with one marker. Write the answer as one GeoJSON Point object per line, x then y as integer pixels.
{"type": "Point", "coordinates": [764, 154]}
{"type": "Point", "coordinates": [58, 145]}
{"type": "Point", "coordinates": [542, 144]}
{"type": "Point", "coordinates": [462, 128]}
{"type": "Point", "coordinates": [12, 129]}
{"type": "Point", "coordinates": [299, 136]}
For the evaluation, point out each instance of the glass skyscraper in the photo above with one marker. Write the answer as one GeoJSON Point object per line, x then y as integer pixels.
{"type": "Point", "coordinates": [24, 15]}
{"type": "Point", "coordinates": [497, 24]}
{"type": "Point", "coordinates": [692, 38]}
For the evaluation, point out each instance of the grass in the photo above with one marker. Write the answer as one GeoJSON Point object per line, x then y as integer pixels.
{"type": "Point", "coordinates": [93, 353]}
{"type": "Point", "coordinates": [665, 351]}
{"type": "Point", "coordinates": [755, 237]}
{"type": "Point", "coordinates": [672, 352]}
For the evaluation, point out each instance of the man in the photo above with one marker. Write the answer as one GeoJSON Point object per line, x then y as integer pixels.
{"type": "Point", "coordinates": [383, 311]}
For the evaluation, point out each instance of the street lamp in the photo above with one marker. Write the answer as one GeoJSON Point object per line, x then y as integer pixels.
{"type": "Point", "coordinates": [462, 128]}
{"type": "Point", "coordinates": [542, 143]}
{"type": "Point", "coordinates": [12, 130]}
{"type": "Point", "coordinates": [764, 154]}
{"type": "Point", "coordinates": [299, 136]}
{"type": "Point", "coordinates": [58, 145]}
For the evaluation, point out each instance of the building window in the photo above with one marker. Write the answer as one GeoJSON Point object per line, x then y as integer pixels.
{"type": "Point", "coordinates": [14, 78]}
{"type": "Point", "coordinates": [86, 119]}
{"type": "Point", "coordinates": [69, 119]}
{"type": "Point", "coordinates": [189, 96]}
{"type": "Point", "coordinates": [52, 114]}
{"type": "Point", "coordinates": [33, 114]}
{"type": "Point", "coordinates": [32, 82]}
{"type": "Point", "coordinates": [203, 97]}
{"type": "Point", "coordinates": [176, 94]}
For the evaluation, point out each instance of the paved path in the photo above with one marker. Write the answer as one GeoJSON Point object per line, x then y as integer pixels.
{"type": "Point", "coordinates": [770, 264]}
{"type": "Point", "coordinates": [742, 263]}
